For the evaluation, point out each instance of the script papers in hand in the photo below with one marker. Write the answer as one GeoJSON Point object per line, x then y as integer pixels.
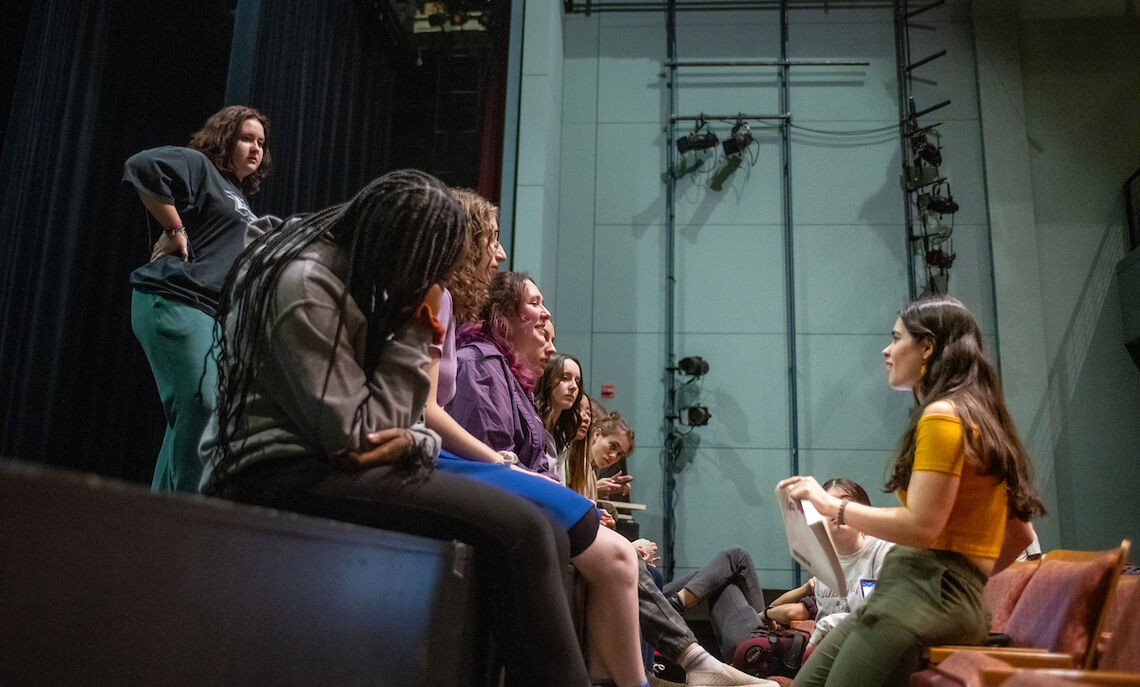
{"type": "Point", "coordinates": [809, 541]}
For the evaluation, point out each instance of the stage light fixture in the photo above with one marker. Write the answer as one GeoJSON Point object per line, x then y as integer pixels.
{"type": "Point", "coordinates": [734, 147]}
{"type": "Point", "coordinates": [925, 151]}
{"type": "Point", "coordinates": [741, 138]}
{"type": "Point", "coordinates": [936, 202]}
{"type": "Point", "coordinates": [698, 140]}
{"type": "Point", "coordinates": [936, 257]}
{"type": "Point", "coordinates": [697, 416]}
{"type": "Point", "coordinates": [694, 366]}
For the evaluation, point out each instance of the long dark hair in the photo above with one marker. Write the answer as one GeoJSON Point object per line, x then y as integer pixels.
{"type": "Point", "coordinates": [958, 372]}
{"type": "Point", "coordinates": [579, 473]}
{"type": "Point", "coordinates": [400, 234]}
{"type": "Point", "coordinates": [216, 140]}
{"type": "Point", "coordinates": [495, 323]}
{"type": "Point", "coordinates": [565, 425]}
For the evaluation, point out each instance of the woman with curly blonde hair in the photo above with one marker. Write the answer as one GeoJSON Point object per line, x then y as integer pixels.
{"type": "Point", "coordinates": [481, 256]}
{"type": "Point", "coordinates": [464, 296]}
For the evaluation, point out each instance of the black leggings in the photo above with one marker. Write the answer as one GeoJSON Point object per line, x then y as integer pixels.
{"type": "Point", "coordinates": [521, 556]}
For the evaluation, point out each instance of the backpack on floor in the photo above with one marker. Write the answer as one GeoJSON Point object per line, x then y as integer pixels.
{"type": "Point", "coordinates": [772, 652]}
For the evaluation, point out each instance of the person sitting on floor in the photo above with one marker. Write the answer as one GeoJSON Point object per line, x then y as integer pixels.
{"type": "Point", "coordinates": [860, 555]}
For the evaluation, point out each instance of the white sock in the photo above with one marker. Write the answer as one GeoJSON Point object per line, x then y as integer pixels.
{"type": "Point", "coordinates": [699, 659]}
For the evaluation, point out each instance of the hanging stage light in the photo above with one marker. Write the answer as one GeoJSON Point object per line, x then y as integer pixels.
{"type": "Point", "coordinates": [741, 138]}
{"type": "Point", "coordinates": [693, 365]}
{"type": "Point", "coordinates": [936, 257]}
{"type": "Point", "coordinates": [734, 147]}
{"type": "Point", "coordinates": [925, 151]}
{"type": "Point", "coordinates": [936, 202]}
{"type": "Point", "coordinates": [698, 140]}
{"type": "Point", "coordinates": [697, 416]}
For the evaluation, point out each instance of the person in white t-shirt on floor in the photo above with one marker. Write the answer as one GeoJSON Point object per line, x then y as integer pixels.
{"type": "Point", "coordinates": [860, 556]}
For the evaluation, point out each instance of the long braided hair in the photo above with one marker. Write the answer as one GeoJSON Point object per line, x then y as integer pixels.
{"type": "Point", "coordinates": [958, 372]}
{"type": "Point", "coordinates": [401, 234]}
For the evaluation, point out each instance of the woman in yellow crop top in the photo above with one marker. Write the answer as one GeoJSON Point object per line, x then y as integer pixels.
{"type": "Point", "coordinates": [966, 499]}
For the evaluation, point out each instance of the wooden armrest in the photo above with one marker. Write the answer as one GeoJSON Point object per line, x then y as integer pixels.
{"type": "Point", "coordinates": [991, 677]}
{"type": "Point", "coordinates": [1015, 656]}
{"type": "Point", "coordinates": [938, 654]}
{"type": "Point", "coordinates": [622, 505]}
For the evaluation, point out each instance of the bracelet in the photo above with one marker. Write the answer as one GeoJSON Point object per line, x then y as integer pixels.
{"type": "Point", "coordinates": [174, 230]}
{"type": "Point", "coordinates": [842, 507]}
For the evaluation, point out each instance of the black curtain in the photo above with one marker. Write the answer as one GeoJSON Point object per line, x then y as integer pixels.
{"type": "Point", "coordinates": [97, 81]}
{"type": "Point", "coordinates": [323, 74]}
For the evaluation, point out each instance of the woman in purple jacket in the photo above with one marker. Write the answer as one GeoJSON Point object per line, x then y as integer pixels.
{"type": "Point", "coordinates": [499, 360]}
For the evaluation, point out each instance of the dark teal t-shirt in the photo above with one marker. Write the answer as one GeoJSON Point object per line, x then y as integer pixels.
{"type": "Point", "coordinates": [213, 210]}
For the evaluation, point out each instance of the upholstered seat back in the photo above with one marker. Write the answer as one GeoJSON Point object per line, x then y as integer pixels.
{"type": "Point", "coordinates": [1061, 605]}
{"type": "Point", "coordinates": [1122, 651]}
{"type": "Point", "coordinates": [1003, 591]}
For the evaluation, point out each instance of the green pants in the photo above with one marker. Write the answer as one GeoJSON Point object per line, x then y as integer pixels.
{"type": "Point", "coordinates": [177, 339]}
{"type": "Point", "coordinates": [922, 598]}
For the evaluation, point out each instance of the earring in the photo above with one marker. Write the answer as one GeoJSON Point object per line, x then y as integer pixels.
{"type": "Point", "coordinates": [922, 372]}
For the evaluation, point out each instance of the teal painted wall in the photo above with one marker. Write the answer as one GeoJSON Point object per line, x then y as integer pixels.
{"type": "Point", "coordinates": [1082, 104]}
{"type": "Point", "coordinates": [849, 257]}
{"type": "Point", "coordinates": [597, 246]}
{"type": "Point", "coordinates": [533, 245]}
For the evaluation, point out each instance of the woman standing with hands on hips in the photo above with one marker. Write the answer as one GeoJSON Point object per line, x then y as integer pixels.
{"type": "Point", "coordinates": [966, 499]}
{"type": "Point", "coordinates": [197, 195]}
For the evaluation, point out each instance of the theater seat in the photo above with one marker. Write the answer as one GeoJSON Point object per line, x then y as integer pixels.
{"type": "Point", "coordinates": [1060, 612]}
{"type": "Point", "coordinates": [105, 583]}
{"type": "Point", "coordinates": [1118, 663]}
{"type": "Point", "coordinates": [1003, 591]}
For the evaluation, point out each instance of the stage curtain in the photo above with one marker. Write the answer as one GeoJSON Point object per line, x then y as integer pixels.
{"type": "Point", "coordinates": [321, 72]}
{"type": "Point", "coordinates": [97, 81]}
{"type": "Point", "coordinates": [494, 106]}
